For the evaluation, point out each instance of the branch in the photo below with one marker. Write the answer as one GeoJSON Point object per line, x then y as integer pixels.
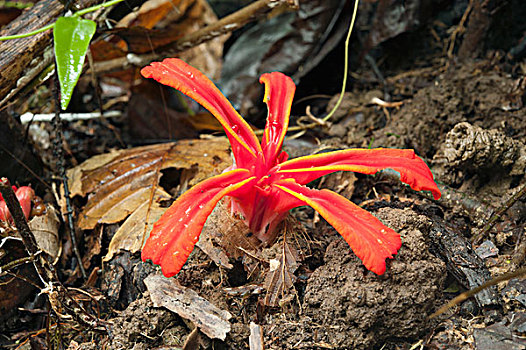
{"type": "Point", "coordinates": [225, 25]}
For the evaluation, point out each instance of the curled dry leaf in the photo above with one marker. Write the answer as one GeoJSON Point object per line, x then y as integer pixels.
{"type": "Point", "coordinates": [280, 278]}
{"type": "Point", "coordinates": [45, 228]}
{"type": "Point", "coordinates": [225, 235]}
{"type": "Point", "coordinates": [118, 183]}
{"type": "Point", "coordinates": [211, 320]}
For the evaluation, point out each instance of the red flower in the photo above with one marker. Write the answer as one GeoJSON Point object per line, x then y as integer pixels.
{"type": "Point", "coordinates": [263, 185]}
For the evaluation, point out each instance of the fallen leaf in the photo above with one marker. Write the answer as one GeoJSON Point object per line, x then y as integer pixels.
{"type": "Point", "coordinates": [133, 232]}
{"type": "Point", "coordinates": [120, 182]}
{"type": "Point", "coordinates": [225, 235]}
{"type": "Point", "coordinates": [45, 228]}
{"type": "Point", "coordinates": [281, 277]}
{"type": "Point", "coordinates": [211, 320]}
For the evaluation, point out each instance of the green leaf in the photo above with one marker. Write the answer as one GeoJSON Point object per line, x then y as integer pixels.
{"type": "Point", "coordinates": [71, 36]}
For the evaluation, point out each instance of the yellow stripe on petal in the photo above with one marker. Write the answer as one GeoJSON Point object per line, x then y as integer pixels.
{"type": "Point", "coordinates": [370, 240]}
{"type": "Point", "coordinates": [174, 236]}
{"type": "Point", "coordinates": [413, 170]}
{"type": "Point", "coordinates": [279, 92]}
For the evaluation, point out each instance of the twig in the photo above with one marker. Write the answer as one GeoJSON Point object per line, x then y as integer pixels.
{"type": "Point", "coordinates": [224, 25]}
{"type": "Point", "coordinates": [61, 302]}
{"type": "Point", "coordinates": [30, 243]}
{"type": "Point", "coordinates": [460, 298]}
{"type": "Point", "coordinates": [59, 155]}
{"type": "Point", "coordinates": [498, 214]}
{"type": "Point", "coordinates": [47, 117]}
{"type": "Point", "coordinates": [12, 264]}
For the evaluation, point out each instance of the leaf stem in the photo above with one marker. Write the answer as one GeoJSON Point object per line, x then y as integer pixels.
{"type": "Point", "coordinates": [346, 63]}
{"type": "Point", "coordinates": [96, 7]}
{"type": "Point", "coordinates": [50, 26]}
{"type": "Point", "coordinates": [25, 35]}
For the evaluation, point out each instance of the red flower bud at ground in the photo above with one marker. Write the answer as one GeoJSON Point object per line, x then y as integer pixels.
{"type": "Point", "coordinates": [25, 195]}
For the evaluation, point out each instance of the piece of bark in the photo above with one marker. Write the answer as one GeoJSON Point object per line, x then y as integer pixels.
{"type": "Point", "coordinates": [23, 59]}
{"type": "Point", "coordinates": [463, 262]}
{"type": "Point", "coordinates": [211, 320]}
{"type": "Point", "coordinates": [255, 339]}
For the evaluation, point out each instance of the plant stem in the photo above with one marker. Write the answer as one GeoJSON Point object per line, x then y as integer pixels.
{"type": "Point", "coordinates": [345, 64]}
{"type": "Point", "coordinates": [25, 35]}
{"type": "Point", "coordinates": [96, 7]}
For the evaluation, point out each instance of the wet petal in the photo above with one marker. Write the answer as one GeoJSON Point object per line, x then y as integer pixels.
{"type": "Point", "coordinates": [370, 240]}
{"type": "Point", "coordinates": [191, 82]}
{"type": "Point", "coordinates": [413, 171]}
{"type": "Point", "coordinates": [174, 236]}
{"type": "Point", "coordinates": [279, 92]}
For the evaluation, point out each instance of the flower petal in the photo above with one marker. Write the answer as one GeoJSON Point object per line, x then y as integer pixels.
{"type": "Point", "coordinates": [174, 236]}
{"type": "Point", "coordinates": [370, 240]}
{"type": "Point", "coordinates": [279, 92]}
{"type": "Point", "coordinates": [413, 171]}
{"type": "Point", "coordinates": [191, 82]}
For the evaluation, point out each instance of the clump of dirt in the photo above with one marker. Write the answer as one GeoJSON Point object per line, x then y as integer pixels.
{"type": "Point", "coordinates": [347, 307]}
{"type": "Point", "coordinates": [475, 152]}
{"type": "Point", "coordinates": [477, 92]}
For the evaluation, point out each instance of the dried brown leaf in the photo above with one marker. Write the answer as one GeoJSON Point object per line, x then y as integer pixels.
{"type": "Point", "coordinates": [45, 228]}
{"type": "Point", "coordinates": [119, 182]}
{"type": "Point", "coordinates": [211, 320]}
{"type": "Point", "coordinates": [280, 278]}
{"type": "Point", "coordinates": [225, 235]}
{"type": "Point", "coordinates": [133, 232]}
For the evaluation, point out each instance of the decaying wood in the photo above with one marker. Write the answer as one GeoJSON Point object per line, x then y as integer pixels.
{"type": "Point", "coordinates": [477, 28]}
{"type": "Point", "coordinates": [20, 57]}
{"type": "Point", "coordinates": [462, 262]}
{"type": "Point", "coordinates": [211, 320]}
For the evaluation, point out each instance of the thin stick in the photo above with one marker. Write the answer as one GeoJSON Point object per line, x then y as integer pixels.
{"type": "Point", "coordinates": [460, 298]}
{"type": "Point", "coordinates": [224, 25]}
{"type": "Point", "coordinates": [498, 214]}
{"type": "Point", "coordinates": [27, 236]}
{"type": "Point", "coordinates": [59, 155]}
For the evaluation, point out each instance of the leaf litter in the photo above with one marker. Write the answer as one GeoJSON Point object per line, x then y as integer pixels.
{"type": "Point", "coordinates": [124, 185]}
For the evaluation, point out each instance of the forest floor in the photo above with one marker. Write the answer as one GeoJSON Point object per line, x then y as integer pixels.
{"type": "Point", "coordinates": [465, 118]}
